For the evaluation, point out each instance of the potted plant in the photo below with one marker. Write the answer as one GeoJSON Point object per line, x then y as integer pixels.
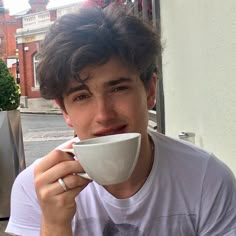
{"type": "Point", "coordinates": [12, 158]}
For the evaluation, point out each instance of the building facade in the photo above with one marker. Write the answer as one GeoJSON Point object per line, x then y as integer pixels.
{"type": "Point", "coordinates": [8, 26]}
{"type": "Point", "coordinates": [29, 37]}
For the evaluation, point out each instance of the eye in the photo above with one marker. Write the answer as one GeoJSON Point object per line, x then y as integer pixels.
{"type": "Point", "coordinates": [120, 88]}
{"type": "Point", "coordinates": [81, 97]}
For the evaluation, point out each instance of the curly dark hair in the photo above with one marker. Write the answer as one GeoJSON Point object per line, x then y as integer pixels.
{"type": "Point", "coordinates": [91, 37]}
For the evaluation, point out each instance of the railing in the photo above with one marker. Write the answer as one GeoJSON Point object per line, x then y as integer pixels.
{"type": "Point", "coordinates": [157, 120]}
{"type": "Point", "coordinates": [40, 19]}
{"type": "Point", "coordinates": [152, 120]}
{"type": "Point", "coordinates": [36, 20]}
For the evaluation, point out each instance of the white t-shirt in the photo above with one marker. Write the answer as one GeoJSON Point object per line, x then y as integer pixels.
{"type": "Point", "coordinates": [189, 192]}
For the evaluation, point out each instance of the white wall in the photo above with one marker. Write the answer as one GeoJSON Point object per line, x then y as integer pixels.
{"type": "Point", "coordinates": [199, 73]}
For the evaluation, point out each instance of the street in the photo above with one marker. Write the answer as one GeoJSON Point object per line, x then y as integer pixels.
{"type": "Point", "coordinates": [42, 133]}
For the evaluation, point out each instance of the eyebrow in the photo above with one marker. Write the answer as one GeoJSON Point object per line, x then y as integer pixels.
{"type": "Point", "coordinates": [117, 81]}
{"type": "Point", "coordinates": [77, 88]}
{"type": "Point", "coordinates": [109, 83]}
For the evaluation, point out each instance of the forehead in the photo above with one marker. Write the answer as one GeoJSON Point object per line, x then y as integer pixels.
{"type": "Point", "coordinates": [112, 66]}
{"type": "Point", "coordinates": [111, 70]}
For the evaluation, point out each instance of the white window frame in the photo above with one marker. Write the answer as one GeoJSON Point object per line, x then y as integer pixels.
{"type": "Point", "coordinates": [35, 63]}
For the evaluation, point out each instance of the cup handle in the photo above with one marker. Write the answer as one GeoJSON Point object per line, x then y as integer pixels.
{"type": "Point", "coordinates": [84, 175]}
{"type": "Point", "coordinates": [70, 150]}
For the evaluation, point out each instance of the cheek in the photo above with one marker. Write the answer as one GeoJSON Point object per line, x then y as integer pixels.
{"type": "Point", "coordinates": [81, 121]}
{"type": "Point", "coordinates": [138, 108]}
{"type": "Point", "coordinates": [142, 109]}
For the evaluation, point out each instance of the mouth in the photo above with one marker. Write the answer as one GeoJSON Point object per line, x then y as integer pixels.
{"type": "Point", "coordinates": [111, 130]}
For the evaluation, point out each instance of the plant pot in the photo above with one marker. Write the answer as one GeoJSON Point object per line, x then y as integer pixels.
{"type": "Point", "coordinates": [12, 157]}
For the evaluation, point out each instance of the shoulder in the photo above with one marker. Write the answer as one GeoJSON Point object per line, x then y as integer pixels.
{"type": "Point", "coordinates": [191, 163]}
{"type": "Point", "coordinates": [217, 205]}
{"type": "Point", "coordinates": [24, 203]}
{"type": "Point", "coordinates": [169, 144]}
{"type": "Point", "coordinates": [206, 180]}
{"type": "Point", "coordinates": [171, 148]}
{"type": "Point", "coordinates": [24, 182]}
{"type": "Point", "coordinates": [178, 152]}
{"type": "Point", "coordinates": [219, 178]}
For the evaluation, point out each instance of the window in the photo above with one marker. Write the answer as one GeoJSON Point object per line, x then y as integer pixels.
{"type": "Point", "coordinates": [35, 64]}
{"type": "Point", "coordinates": [1, 40]}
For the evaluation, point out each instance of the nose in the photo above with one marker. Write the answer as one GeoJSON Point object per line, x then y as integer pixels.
{"type": "Point", "coordinates": [105, 110]}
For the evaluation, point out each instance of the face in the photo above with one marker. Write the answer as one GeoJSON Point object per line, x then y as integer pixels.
{"type": "Point", "coordinates": [111, 100]}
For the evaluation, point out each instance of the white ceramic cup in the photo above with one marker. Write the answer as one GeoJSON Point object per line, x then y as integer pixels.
{"type": "Point", "coordinates": [109, 159]}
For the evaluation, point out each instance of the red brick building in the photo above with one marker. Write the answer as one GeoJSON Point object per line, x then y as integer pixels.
{"type": "Point", "coordinates": [8, 26]}
{"type": "Point", "coordinates": [29, 35]}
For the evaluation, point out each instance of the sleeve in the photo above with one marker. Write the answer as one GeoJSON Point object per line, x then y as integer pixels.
{"type": "Point", "coordinates": [25, 215]}
{"type": "Point", "coordinates": [217, 211]}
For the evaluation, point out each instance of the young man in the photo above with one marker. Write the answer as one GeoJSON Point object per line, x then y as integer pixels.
{"type": "Point", "coordinates": [99, 65]}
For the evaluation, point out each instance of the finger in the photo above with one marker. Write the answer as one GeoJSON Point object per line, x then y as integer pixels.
{"type": "Point", "coordinates": [74, 181]}
{"type": "Point", "coordinates": [71, 182]}
{"type": "Point", "coordinates": [69, 145]}
{"type": "Point", "coordinates": [58, 171]}
{"type": "Point", "coordinates": [72, 194]}
{"type": "Point", "coordinates": [62, 169]}
{"type": "Point", "coordinates": [53, 158]}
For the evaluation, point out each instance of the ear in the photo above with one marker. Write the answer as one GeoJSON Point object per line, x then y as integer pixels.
{"type": "Point", "coordinates": [151, 92]}
{"type": "Point", "coordinates": [67, 118]}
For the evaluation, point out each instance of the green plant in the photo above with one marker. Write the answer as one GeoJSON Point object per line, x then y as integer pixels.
{"type": "Point", "coordinates": [9, 89]}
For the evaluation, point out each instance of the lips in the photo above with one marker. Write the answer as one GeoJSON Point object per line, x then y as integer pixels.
{"type": "Point", "coordinates": [111, 130]}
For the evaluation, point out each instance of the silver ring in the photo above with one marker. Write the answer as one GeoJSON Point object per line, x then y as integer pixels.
{"type": "Point", "coordinates": [63, 185]}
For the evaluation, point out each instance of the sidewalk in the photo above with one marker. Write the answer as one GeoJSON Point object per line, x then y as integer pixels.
{"type": "Point", "coordinates": [53, 111]}
{"type": "Point", "coordinates": [39, 106]}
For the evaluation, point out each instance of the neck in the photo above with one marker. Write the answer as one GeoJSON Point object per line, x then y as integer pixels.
{"type": "Point", "coordinates": [140, 173]}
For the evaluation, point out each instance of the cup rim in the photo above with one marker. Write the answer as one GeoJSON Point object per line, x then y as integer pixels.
{"type": "Point", "coordinates": [121, 138]}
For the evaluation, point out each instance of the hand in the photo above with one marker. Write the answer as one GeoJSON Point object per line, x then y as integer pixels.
{"type": "Point", "coordinates": [58, 206]}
